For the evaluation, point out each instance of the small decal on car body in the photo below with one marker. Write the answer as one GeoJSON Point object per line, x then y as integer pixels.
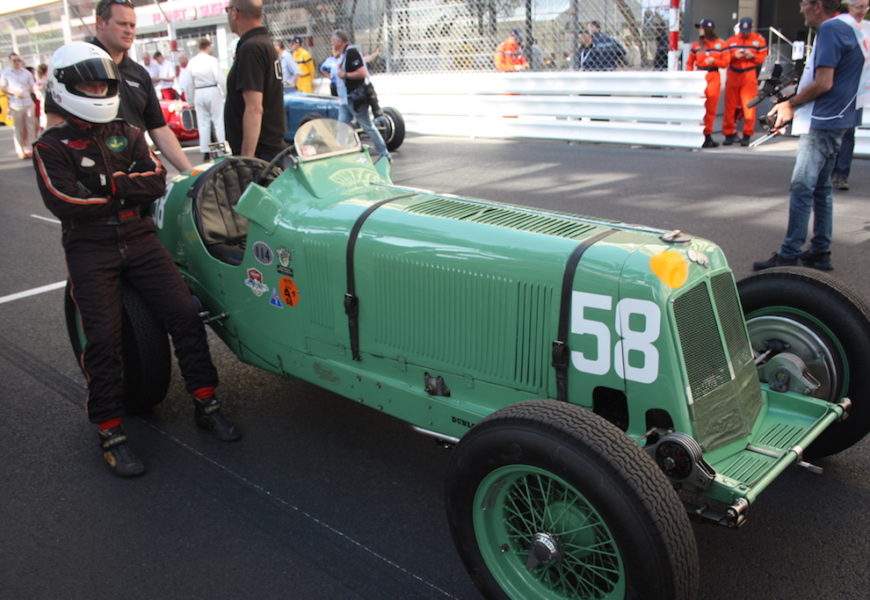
{"type": "Point", "coordinates": [263, 253]}
{"type": "Point", "coordinates": [289, 291]}
{"type": "Point", "coordinates": [284, 257]}
{"type": "Point", "coordinates": [255, 282]}
{"type": "Point", "coordinates": [275, 300]}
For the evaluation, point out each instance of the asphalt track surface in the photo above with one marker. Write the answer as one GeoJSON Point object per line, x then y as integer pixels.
{"type": "Point", "coordinates": [326, 499]}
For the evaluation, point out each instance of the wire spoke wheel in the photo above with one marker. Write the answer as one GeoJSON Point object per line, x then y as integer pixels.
{"type": "Point", "coordinates": [548, 501]}
{"type": "Point", "coordinates": [537, 532]}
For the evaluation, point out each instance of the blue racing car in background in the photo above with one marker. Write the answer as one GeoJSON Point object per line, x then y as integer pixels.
{"type": "Point", "coordinates": [300, 108]}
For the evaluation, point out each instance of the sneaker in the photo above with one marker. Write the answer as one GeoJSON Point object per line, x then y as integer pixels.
{"type": "Point", "coordinates": [730, 139]}
{"type": "Point", "coordinates": [745, 141]}
{"type": "Point", "coordinates": [839, 182]}
{"type": "Point", "coordinates": [117, 453]}
{"type": "Point", "coordinates": [207, 414]}
{"type": "Point", "coordinates": [709, 142]}
{"type": "Point", "coordinates": [777, 260]}
{"type": "Point", "coordinates": [816, 260]}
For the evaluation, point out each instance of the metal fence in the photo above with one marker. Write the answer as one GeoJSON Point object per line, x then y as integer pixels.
{"type": "Point", "coordinates": [408, 36]}
{"type": "Point", "coordinates": [36, 33]}
{"type": "Point", "coordinates": [421, 36]}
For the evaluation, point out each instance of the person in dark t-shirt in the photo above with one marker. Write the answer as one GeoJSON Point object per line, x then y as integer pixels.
{"type": "Point", "coordinates": [354, 102]}
{"type": "Point", "coordinates": [116, 30]}
{"type": "Point", "coordinates": [254, 108]}
{"type": "Point", "coordinates": [827, 106]}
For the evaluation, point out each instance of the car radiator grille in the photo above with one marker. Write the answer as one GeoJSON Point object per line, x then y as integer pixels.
{"type": "Point", "coordinates": [722, 378]}
{"type": "Point", "coordinates": [188, 118]}
{"type": "Point", "coordinates": [566, 226]}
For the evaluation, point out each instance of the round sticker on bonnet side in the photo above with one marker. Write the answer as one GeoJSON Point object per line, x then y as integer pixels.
{"type": "Point", "coordinates": [263, 253]}
{"type": "Point", "coordinates": [289, 291]}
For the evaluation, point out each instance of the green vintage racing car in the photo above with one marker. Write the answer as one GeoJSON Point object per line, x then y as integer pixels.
{"type": "Point", "coordinates": [601, 381]}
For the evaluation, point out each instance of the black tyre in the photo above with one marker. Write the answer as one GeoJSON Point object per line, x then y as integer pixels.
{"type": "Point", "coordinates": [146, 354]}
{"type": "Point", "coordinates": [828, 327]}
{"type": "Point", "coordinates": [549, 501]}
{"type": "Point", "coordinates": [392, 127]}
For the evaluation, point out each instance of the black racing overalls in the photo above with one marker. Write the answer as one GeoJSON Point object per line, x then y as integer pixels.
{"type": "Point", "coordinates": [98, 180]}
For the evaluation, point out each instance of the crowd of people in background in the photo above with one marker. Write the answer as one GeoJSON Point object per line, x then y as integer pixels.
{"type": "Point", "coordinates": [738, 57]}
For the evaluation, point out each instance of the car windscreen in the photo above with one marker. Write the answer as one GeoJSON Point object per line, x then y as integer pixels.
{"type": "Point", "coordinates": [319, 138]}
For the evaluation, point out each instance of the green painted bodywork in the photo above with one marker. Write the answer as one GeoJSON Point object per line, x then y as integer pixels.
{"type": "Point", "coordinates": [469, 290]}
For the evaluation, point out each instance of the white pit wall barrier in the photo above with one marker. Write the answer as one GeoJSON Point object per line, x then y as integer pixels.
{"type": "Point", "coordinates": [623, 107]}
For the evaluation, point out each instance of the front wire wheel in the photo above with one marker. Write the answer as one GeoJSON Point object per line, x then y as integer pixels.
{"type": "Point", "coordinates": [547, 500]}
{"type": "Point", "coordinates": [537, 531]}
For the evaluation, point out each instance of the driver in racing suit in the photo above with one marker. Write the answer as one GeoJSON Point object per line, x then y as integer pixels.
{"type": "Point", "coordinates": [98, 176]}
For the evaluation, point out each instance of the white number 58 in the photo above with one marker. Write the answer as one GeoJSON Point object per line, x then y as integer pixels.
{"type": "Point", "coordinates": [634, 341]}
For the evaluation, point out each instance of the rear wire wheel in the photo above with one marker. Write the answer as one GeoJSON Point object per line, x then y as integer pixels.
{"type": "Point", "coordinates": [547, 500]}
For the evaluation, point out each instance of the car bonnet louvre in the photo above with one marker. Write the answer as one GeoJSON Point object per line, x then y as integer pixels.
{"type": "Point", "coordinates": [503, 216]}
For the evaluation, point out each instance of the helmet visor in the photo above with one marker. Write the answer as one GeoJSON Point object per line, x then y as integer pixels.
{"type": "Point", "coordinates": [92, 69]}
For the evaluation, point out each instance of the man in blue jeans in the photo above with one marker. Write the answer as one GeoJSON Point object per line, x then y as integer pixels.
{"type": "Point", "coordinates": [826, 107]}
{"type": "Point", "coordinates": [352, 77]}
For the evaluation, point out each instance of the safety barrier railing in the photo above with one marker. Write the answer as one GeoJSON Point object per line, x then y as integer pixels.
{"type": "Point", "coordinates": [625, 107]}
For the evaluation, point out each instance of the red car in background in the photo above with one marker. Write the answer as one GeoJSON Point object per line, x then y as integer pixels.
{"type": "Point", "coordinates": [181, 119]}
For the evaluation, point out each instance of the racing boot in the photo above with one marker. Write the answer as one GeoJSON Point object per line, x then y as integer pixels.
{"type": "Point", "coordinates": [709, 142]}
{"type": "Point", "coordinates": [730, 139]}
{"type": "Point", "coordinates": [207, 414]}
{"type": "Point", "coordinates": [117, 453]}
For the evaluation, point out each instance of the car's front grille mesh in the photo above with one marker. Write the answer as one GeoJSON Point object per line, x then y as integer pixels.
{"type": "Point", "coordinates": [731, 317]}
{"type": "Point", "coordinates": [704, 356]}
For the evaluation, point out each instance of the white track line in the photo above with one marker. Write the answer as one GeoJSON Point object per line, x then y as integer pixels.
{"type": "Point", "coordinates": [33, 292]}
{"type": "Point", "coordinates": [50, 220]}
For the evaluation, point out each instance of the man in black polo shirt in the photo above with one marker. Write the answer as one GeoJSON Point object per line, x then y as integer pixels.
{"type": "Point", "coordinates": [254, 108]}
{"type": "Point", "coordinates": [116, 30]}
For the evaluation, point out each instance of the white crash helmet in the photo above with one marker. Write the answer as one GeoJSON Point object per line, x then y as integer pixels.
{"type": "Point", "coordinates": [76, 63]}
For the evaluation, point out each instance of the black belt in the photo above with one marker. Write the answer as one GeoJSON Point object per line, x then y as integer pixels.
{"type": "Point", "coordinates": [736, 70]}
{"type": "Point", "coordinates": [121, 217]}
{"type": "Point", "coordinates": [708, 68]}
{"type": "Point", "coordinates": [202, 87]}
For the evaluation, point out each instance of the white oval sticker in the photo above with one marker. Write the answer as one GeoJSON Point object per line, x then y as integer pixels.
{"type": "Point", "coordinates": [263, 253]}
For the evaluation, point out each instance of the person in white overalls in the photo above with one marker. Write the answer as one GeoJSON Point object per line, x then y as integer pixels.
{"type": "Point", "coordinates": [205, 88]}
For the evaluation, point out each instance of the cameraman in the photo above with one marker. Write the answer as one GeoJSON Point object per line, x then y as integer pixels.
{"type": "Point", "coordinates": [826, 107]}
